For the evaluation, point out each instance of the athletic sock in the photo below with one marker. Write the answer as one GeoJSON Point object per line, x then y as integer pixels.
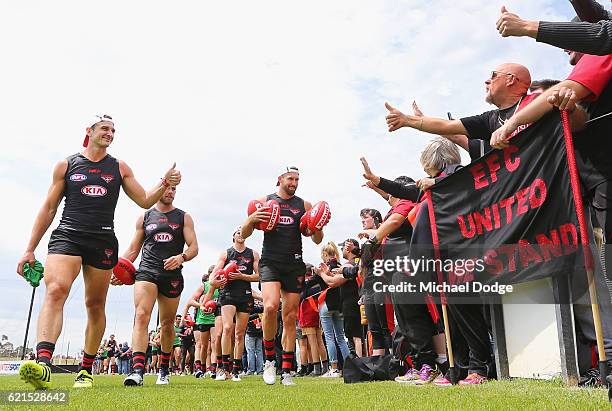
{"type": "Point", "coordinates": [198, 365]}
{"type": "Point", "coordinates": [226, 362]}
{"type": "Point", "coordinates": [219, 362]}
{"type": "Point", "coordinates": [288, 357]}
{"type": "Point", "coordinates": [138, 362]}
{"type": "Point", "coordinates": [269, 352]}
{"type": "Point", "coordinates": [310, 368]}
{"type": "Point", "coordinates": [237, 366]}
{"type": "Point", "coordinates": [87, 362]}
{"type": "Point", "coordinates": [44, 352]}
{"type": "Point", "coordinates": [164, 361]}
{"type": "Point", "coordinates": [325, 366]}
{"type": "Point", "coordinates": [441, 359]}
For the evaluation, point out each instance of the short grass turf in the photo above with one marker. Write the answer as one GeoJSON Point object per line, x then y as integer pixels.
{"type": "Point", "coordinates": [188, 393]}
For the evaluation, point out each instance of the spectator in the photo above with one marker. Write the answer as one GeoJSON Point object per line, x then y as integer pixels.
{"type": "Point", "coordinates": [589, 38]}
{"type": "Point", "coordinates": [506, 89]}
{"type": "Point", "coordinates": [254, 341]}
{"type": "Point", "coordinates": [330, 308]}
{"type": "Point", "coordinates": [124, 358]}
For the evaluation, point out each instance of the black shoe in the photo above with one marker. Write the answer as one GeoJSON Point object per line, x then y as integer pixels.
{"type": "Point", "coordinates": [591, 378]}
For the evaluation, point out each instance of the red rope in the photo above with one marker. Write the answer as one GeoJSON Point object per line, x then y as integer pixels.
{"type": "Point", "coordinates": [575, 183]}
{"type": "Point", "coordinates": [436, 242]}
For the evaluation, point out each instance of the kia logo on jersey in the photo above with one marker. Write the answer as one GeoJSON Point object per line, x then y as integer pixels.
{"type": "Point", "coordinates": [241, 268]}
{"type": "Point", "coordinates": [286, 220]}
{"type": "Point", "coordinates": [78, 177]}
{"type": "Point", "coordinates": [107, 177]}
{"type": "Point", "coordinates": [174, 226]}
{"type": "Point", "coordinates": [163, 237]}
{"type": "Point", "coordinates": [151, 227]}
{"type": "Point", "coordinates": [94, 191]}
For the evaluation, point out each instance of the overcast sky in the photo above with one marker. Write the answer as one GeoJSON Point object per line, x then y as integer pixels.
{"type": "Point", "coordinates": [233, 91]}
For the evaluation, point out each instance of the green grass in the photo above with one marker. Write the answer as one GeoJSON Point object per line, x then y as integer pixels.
{"type": "Point", "coordinates": [185, 392]}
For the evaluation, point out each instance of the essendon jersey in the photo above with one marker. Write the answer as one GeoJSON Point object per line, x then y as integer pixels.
{"type": "Point", "coordinates": [92, 191]}
{"type": "Point", "coordinates": [284, 243]}
{"type": "Point", "coordinates": [163, 238]}
{"type": "Point", "coordinates": [245, 259]}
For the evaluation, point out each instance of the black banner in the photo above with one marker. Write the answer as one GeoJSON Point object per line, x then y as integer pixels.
{"type": "Point", "coordinates": [511, 212]}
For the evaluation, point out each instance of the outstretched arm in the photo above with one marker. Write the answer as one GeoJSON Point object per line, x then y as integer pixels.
{"type": "Point", "coordinates": [146, 199]}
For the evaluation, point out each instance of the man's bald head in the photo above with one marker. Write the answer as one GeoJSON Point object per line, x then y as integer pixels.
{"type": "Point", "coordinates": [508, 83]}
{"type": "Point", "coordinates": [520, 72]}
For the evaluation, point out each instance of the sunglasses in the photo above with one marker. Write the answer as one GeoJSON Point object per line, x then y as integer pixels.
{"type": "Point", "coordinates": [496, 73]}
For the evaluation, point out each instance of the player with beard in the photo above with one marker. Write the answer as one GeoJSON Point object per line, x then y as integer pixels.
{"type": "Point", "coordinates": [90, 181]}
{"type": "Point", "coordinates": [236, 299]}
{"type": "Point", "coordinates": [162, 233]}
{"type": "Point", "coordinates": [281, 270]}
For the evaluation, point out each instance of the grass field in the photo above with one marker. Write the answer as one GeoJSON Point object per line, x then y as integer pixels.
{"type": "Point", "coordinates": [185, 392]}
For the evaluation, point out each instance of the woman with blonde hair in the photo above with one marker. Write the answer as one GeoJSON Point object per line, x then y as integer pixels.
{"type": "Point", "coordinates": [330, 312]}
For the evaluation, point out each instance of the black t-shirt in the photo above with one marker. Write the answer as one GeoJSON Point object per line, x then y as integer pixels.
{"type": "Point", "coordinates": [481, 126]}
{"type": "Point", "coordinates": [284, 243]}
{"type": "Point", "coordinates": [188, 339]}
{"type": "Point", "coordinates": [349, 293]}
{"type": "Point", "coordinates": [163, 239]}
{"type": "Point", "coordinates": [594, 145]}
{"type": "Point", "coordinates": [245, 260]}
{"type": "Point", "coordinates": [91, 191]}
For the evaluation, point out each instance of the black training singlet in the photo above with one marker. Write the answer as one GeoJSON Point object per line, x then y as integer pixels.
{"type": "Point", "coordinates": [284, 243]}
{"type": "Point", "coordinates": [92, 191]}
{"type": "Point", "coordinates": [245, 259]}
{"type": "Point", "coordinates": [163, 238]}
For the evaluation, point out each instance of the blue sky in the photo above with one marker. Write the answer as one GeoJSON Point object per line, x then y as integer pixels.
{"type": "Point", "coordinates": [233, 92]}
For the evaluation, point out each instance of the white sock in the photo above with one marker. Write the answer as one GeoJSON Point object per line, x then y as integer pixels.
{"type": "Point", "coordinates": [441, 358]}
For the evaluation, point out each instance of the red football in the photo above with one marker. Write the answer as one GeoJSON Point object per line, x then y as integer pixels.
{"type": "Point", "coordinates": [275, 212]}
{"type": "Point", "coordinates": [253, 206]}
{"type": "Point", "coordinates": [211, 305]}
{"type": "Point", "coordinates": [231, 267]}
{"type": "Point", "coordinates": [124, 271]}
{"type": "Point", "coordinates": [320, 214]}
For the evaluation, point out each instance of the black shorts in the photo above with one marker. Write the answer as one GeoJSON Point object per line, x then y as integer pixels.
{"type": "Point", "coordinates": [176, 346]}
{"type": "Point", "coordinates": [290, 275]}
{"type": "Point", "coordinates": [352, 327]}
{"type": "Point", "coordinates": [97, 250]}
{"type": "Point", "coordinates": [111, 354]}
{"type": "Point", "coordinates": [203, 327]}
{"type": "Point", "coordinates": [243, 304]}
{"type": "Point", "coordinates": [218, 310]}
{"type": "Point", "coordinates": [168, 285]}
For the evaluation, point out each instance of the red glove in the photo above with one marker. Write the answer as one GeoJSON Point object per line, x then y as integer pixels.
{"type": "Point", "coordinates": [306, 232]}
{"type": "Point", "coordinates": [320, 214]}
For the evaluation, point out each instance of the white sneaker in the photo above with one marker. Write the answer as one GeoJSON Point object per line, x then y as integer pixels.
{"type": "Point", "coordinates": [269, 372]}
{"type": "Point", "coordinates": [163, 378]}
{"type": "Point", "coordinates": [287, 379]}
{"type": "Point", "coordinates": [236, 378]}
{"type": "Point", "coordinates": [332, 373]}
{"type": "Point", "coordinates": [221, 376]}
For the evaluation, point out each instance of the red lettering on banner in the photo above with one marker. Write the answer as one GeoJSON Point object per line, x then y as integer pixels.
{"type": "Point", "coordinates": [493, 166]}
{"type": "Point", "coordinates": [563, 241]}
{"type": "Point", "coordinates": [489, 218]}
{"type": "Point", "coordinates": [464, 230]}
{"type": "Point", "coordinates": [477, 171]}
{"type": "Point", "coordinates": [511, 165]}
